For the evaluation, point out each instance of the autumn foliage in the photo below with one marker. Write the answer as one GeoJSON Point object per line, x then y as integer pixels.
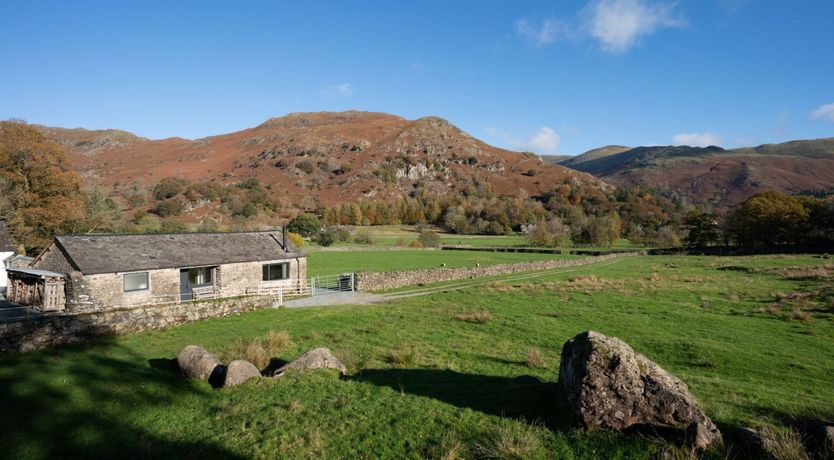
{"type": "Point", "coordinates": [40, 195]}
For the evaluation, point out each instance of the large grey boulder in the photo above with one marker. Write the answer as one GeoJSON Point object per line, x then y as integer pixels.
{"type": "Point", "coordinates": [197, 363]}
{"type": "Point", "coordinates": [239, 371]}
{"type": "Point", "coordinates": [609, 385]}
{"type": "Point", "coordinates": [317, 358]}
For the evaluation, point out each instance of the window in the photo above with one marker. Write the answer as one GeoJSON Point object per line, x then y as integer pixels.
{"type": "Point", "coordinates": [199, 276]}
{"type": "Point", "coordinates": [274, 272]}
{"type": "Point", "coordinates": [136, 281]}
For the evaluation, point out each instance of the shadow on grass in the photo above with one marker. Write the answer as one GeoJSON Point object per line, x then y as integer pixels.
{"type": "Point", "coordinates": [81, 401]}
{"type": "Point", "coordinates": [521, 397]}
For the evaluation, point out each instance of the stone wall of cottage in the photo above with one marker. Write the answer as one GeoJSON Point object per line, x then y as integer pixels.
{"type": "Point", "coordinates": [53, 259]}
{"type": "Point", "coordinates": [106, 291]}
{"type": "Point", "coordinates": [37, 333]}
{"type": "Point", "coordinates": [235, 279]}
{"type": "Point", "coordinates": [90, 293]}
{"type": "Point", "coordinates": [370, 281]}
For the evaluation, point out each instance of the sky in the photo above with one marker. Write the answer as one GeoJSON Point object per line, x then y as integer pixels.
{"type": "Point", "coordinates": [557, 77]}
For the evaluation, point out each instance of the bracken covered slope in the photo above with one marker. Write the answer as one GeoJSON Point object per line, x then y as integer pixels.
{"type": "Point", "coordinates": [324, 156]}
{"type": "Point", "coordinates": [719, 177]}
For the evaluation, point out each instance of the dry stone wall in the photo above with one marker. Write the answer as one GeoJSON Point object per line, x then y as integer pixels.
{"type": "Point", "coordinates": [36, 333]}
{"type": "Point", "coordinates": [370, 281]}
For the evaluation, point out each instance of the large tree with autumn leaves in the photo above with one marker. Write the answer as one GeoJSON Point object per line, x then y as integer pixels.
{"type": "Point", "coordinates": [40, 195]}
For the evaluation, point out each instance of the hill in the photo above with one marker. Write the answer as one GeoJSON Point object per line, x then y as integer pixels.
{"type": "Point", "coordinates": [718, 177]}
{"type": "Point", "coordinates": [326, 157]}
{"type": "Point", "coordinates": [594, 154]}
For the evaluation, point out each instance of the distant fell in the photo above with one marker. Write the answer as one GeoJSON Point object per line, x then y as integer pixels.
{"type": "Point", "coordinates": [715, 176]}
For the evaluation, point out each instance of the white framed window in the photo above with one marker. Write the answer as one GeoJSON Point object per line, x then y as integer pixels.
{"type": "Point", "coordinates": [136, 282]}
{"type": "Point", "coordinates": [274, 272]}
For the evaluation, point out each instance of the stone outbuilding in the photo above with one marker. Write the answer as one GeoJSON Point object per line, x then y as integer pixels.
{"type": "Point", "coordinates": [104, 272]}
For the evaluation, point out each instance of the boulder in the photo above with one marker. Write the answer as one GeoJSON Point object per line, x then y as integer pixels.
{"type": "Point", "coordinates": [239, 371]}
{"type": "Point", "coordinates": [317, 358]}
{"type": "Point", "coordinates": [609, 385]}
{"type": "Point", "coordinates": [197, 363]}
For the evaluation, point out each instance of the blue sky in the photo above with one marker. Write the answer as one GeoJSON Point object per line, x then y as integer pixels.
{"type": "Point", "coordinates": [552, 77]}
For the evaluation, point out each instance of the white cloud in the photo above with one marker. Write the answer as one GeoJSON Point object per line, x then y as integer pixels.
{"type": "Point", "coordinates": [547, 32]}
{"type": "Point", "coordinates": [342, 89]}
{"type": "Point", "coordinates": [620, 24]}
{"type": "Point", "coordinates": [543, 141]}
{"type": "Point", "coordinates": [616, 24]}
{"type": "Point", "coordinates": [825, 112]}
{"type": "Point", "coordinates": [697, 139]}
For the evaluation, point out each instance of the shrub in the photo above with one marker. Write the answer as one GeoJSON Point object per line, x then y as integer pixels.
{"type": "Point", "coordinates": [341, 234]}
{"type": "Point", "coordinates": [535, 359]}
{"type": "Point", "coordinates": [514, 440]}
{"type": "Point", "coordinates": [429, 239]}
{"type": "Point", "coordinates": [304, 225]}
{"type": "Point", "coordinates": [782, 443]}
{"type": "Point", "coordinates": [449, 448]}
{"type": "Point", "coordinates": [363, 236]}
{"type": "Point", "coordinates": [169, 187]}
{"type": "Point", "coordinates": [305, 166]}
{"type": "Point", "coordinates": [326, 237]}
{"type": "Point", "coordinates": [172, 226]}
{"type": "Point", "coordinates": [248, 210]}
{"type": "Point", "coordinates": [277, 341]}
{"type": "Point", "coordinates": [480, 317]}
{"type": "Point", "coordinates": [800, 314]}
{"type": "Point", "coordinates": [256, 354]}
{"type": "Point", "coordinates": [403, 356]}
{"type": "Point", "coordinates": [295, 239]}
{"type": "Point", "coordinates": [168, 208]}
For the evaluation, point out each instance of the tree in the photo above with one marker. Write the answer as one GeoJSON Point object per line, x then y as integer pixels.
{"type": "Point", "coordinates": [101, 213]}
{"type": "Point", "coordinates": [40, 195]}
{"type": "Point", "coordinates": [549, 233]}
{"type": "Point", "coordinates": [305, 225]}
{"type": "Point", "coordinates": [429, 239]}
{"type": "Point", "coordinates": [770, 218]}
{"type": "Point", "coordinates": [702, 228]}
{"type": "Point", "coordinates": [603, 231]}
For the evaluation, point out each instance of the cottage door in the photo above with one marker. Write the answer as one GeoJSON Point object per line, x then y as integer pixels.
{"type": "Point", "coordinates": [185, 286]}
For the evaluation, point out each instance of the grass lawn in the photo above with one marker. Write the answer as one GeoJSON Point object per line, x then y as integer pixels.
{"type": "Point", "coordinates": [423, 383]}
{"type": "Point", "coordinates": [383, 260]}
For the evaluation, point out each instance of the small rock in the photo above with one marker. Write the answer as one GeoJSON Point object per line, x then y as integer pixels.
{"type": "Point", "coordinates": [609, 385]}
{"type": "Point", "coordinates": [317, 358]}
{"type": "Point", "coordinates": [197, 363]}
{"type": "Point", "coordinates": [239, 371]}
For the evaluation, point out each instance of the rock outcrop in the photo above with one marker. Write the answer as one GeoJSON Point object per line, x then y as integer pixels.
{"type": "Point", "coordinates": [197, 363]}
{"type": "Point", "coordinates": [317, 358]}
{"type": "Point", "coordinates": [609, 385]}
{"type": "Point", "coordinates": [239, 371]}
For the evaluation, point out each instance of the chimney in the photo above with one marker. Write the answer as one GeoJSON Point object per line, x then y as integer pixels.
{"type": "Point", "coordinates": [284, 237]}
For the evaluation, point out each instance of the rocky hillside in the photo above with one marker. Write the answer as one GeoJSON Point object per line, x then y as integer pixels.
{"type": "Point", "coordinates": [713, 175]}
{"type": "Point", "coordinates": [326, 157]}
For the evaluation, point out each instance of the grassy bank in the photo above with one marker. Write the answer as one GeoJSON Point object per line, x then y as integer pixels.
{"type": "Point", "coordinates": [433, 375]}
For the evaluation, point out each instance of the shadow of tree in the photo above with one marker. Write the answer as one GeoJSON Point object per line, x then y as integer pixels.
{"type": "Point", "coordinates": [84, 410]}
{"type": "Point", "coordinates": [521, 397]}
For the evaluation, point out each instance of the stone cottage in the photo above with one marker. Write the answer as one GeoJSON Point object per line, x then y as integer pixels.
{"type": "Point", "coordinates": [104, 272]}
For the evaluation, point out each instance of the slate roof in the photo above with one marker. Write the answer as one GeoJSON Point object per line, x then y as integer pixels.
{"type": "Point", "coordinates": [94, 254]}
{"type": "Point", "coordinates": [6, 242]}
{"type": "Point", "coordinates": [36, 272]}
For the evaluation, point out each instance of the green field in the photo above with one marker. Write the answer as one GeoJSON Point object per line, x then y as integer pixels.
{"type": "Point", "coordinates": [403, 235]}
{"type": "Point", "coordinates": [752, 337]}
{"type": "Point", "coordinates": [384, 260]}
